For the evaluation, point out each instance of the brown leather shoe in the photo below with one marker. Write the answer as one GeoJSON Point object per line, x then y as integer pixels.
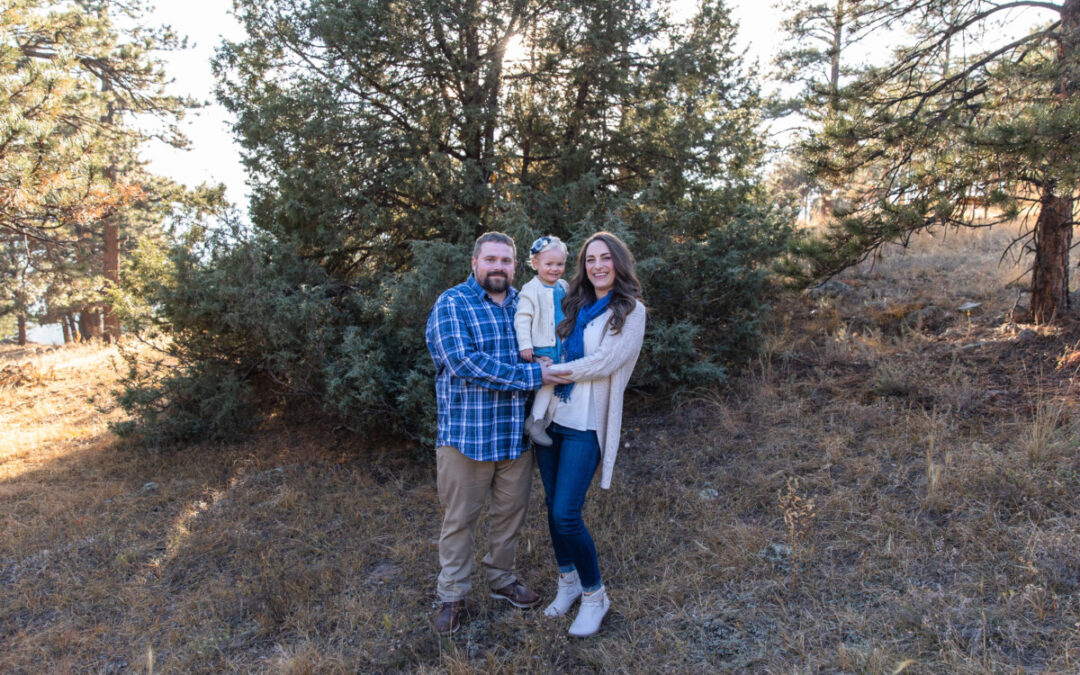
{"type": "Point", "coordinates": [517, 594]}
{"type": "Point", "coordinates": [448, 618]}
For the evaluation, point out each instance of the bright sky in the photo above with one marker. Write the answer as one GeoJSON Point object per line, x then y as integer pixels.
{"type": "Point", "coordinates": [214, 158]}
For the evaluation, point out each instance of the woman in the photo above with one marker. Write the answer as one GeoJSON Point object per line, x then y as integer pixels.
{"type": "Point", "coordinates": [602, 335]}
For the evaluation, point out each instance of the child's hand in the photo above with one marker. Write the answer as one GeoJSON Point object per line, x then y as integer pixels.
{"type": "Point", "coordinates": [527, 354]}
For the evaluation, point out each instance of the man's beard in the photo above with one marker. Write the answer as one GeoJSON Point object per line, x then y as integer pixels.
{"type": "Point", "coordinates": [495, 283]}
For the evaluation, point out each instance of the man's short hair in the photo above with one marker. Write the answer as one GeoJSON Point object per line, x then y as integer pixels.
{"type": "Point", "coordinates": [498, 237]}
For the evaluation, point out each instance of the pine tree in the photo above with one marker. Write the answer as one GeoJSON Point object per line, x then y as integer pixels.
{"type": "Point", "coordinates": [382, 137]}
{"type": "Point", "coordinates": [372, 124]}
{"type": "Point", "coordinates": [369, 126]}
{"type": "Point", "coordinates": [822, 50]}
{"type": "Point", "coordinates": [71, 183]}
{"type": "Point", "coordinates": [817, 51]}
{"type": "Point", "coordinates": [948, 123]}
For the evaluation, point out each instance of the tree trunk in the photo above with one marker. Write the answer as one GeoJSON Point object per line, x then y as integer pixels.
{"type": "Point", "coordinates": [66, 328]}
{"type": "Point", "coordinates": [839, 19]}
{"type": "Point", "coordinates": [84, 325]}
{"type": "Point", "coordinates": [89, 324]}
{"type": "Point", "coordinates": [111, 233]}
{"type": "Point", "coordinates": [1053, 229]}
{"type": "Point", "coordinates": [22, 329]}
{"type": "Point", "coordinates": [73, 327]}
{"type": "Point", "coordinates": [112, 274]}
{"type": "Point", "coordinates": [1050, 276]}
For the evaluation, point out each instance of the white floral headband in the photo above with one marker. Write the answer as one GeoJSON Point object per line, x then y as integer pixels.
{"type": "Point", "coordinates": [546, 243]}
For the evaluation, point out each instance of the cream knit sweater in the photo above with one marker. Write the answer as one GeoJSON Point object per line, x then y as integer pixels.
{"type": "Point", "coordinates": [534, 321]}
{"type": "Point", "coordinates": [609, 367]}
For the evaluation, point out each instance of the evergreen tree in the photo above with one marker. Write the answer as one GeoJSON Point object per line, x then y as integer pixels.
{"type": "Point", "coordinates": [816, 54]}
{"type": "Point", "coordinates": [823, 48]}
{"type": "Point", "coordinates": [369, 125]}
{"type": "Point", "coordinates": [383, 137]}
{"type": "Point", "coordinates": [961, 115]}
{"type": "Point", "coordinates": [72, 188]}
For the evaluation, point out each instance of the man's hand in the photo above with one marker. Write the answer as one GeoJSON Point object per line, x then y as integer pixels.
{"type": "Point", "coordinates": [553, 375]}
{"type": "Point", "coordinates": [527, 355]}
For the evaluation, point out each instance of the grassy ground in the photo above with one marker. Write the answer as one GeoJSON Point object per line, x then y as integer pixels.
{"type": "Point", "coordinates": [890, 487]}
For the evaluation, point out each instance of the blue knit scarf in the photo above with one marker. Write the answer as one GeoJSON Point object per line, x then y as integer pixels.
{"type": "Point", "coordinates": [574, 345]}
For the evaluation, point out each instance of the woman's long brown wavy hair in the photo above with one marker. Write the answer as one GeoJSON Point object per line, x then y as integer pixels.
{"type": "Point", "coordinates": [624, 294]}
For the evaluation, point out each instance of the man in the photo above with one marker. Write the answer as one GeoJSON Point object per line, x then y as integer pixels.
{"type": "Point", "coordinates": [481, 385]}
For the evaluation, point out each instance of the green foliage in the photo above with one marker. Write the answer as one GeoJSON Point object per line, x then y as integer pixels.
{"type": "Point", "coordinates": [249, 322]}
{"type": "Point", "coordinates": [174, 406]}
{"type": "Point", "coordinates": [381, 376]}
{"type": "Point", "coordinates": [73, 189]}
{"type": "Point", "coordinates": [817, 54]}
{"type": "Point", "coordinates": [707, 297]}
{"type": "Point", "coordinates": [382, 138]}
{"type": "Point", "coordinates": [973, 110]}
{"type": "Point", "coordinates": [235, 312]}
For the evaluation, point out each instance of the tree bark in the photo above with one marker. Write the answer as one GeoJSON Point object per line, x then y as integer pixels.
{"type": "Point", "coordinates": [22, 329]}
{"type": "Point", "coordinates": [1050, 275]}
{"type": "Point", "coordinates": [84, 324]}
{"type": "Point", "coordinates": [111, 231]}
{"type": "Point", "coordinates": [1053, 229]}
{"type": "Point", "coordinates": [66, 328]}
{"type": "Point", "coordinates": [839, 19]}
{"type": "Point", "coordinates": [112, 274]}
{"type": "Point", "coordinates": [89, 324]}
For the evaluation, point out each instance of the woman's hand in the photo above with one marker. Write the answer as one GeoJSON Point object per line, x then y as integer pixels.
{"type": "Point", "coordinates": [553, 375]}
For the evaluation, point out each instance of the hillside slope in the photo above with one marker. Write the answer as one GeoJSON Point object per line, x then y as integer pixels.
{"type": "Point", "coordinates": [891, 487]}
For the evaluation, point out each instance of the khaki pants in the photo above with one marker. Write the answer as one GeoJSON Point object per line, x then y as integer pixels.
{"type": "Point", "coordinates": [464, 485]}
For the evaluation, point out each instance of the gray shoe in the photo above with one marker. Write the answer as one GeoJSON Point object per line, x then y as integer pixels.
{"type": "Point", "coordinates": [536, 431]}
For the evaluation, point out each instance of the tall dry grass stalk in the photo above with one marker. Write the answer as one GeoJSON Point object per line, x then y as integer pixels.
{"type": "Point", "coordinates": [798, 513]}
{"type": "Point", "coordinates": [1047, 432]}
{"type": "Point", "coordinates": [936, 473]}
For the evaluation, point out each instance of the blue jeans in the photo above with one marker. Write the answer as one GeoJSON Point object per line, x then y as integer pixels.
{"type": "Point", "coordinates": [566, 469]}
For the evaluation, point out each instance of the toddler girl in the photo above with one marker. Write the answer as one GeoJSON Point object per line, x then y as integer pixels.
{"type": "Point", "coordinates": [539, 311]}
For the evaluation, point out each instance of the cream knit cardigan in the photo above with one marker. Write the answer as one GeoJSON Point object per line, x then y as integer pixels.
{"type": "Point", "coordinates": [534, 321]}
{"type": "Point", "coordinates": [609, 367]}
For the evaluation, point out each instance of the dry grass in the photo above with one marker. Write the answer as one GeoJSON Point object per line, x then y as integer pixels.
{"type": "Point", "coordinates": [882, 491]}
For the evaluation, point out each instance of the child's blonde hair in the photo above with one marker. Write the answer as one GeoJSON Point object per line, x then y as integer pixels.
{"type": "Point", "coordinates": [546, 243]}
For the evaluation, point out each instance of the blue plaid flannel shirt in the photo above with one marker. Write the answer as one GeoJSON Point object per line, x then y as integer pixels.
{"type": "Point", "coordinates": [481, 383]}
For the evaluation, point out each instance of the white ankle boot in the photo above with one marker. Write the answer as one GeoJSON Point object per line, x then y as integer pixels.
{"type": "Point", "coordinates": [593, 608]}
{"type": "Point", "coordinates": [569, 591]}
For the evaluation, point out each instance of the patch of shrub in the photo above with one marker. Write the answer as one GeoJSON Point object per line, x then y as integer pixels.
{"type": "Point", "coordinates": [249, 320]}
{"type": "Point", "coordinates": [185, 405]}
{"type": "Point", "coordinates": [707, 296]}
{"type": "Point", "coordinates": [247, 311]}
